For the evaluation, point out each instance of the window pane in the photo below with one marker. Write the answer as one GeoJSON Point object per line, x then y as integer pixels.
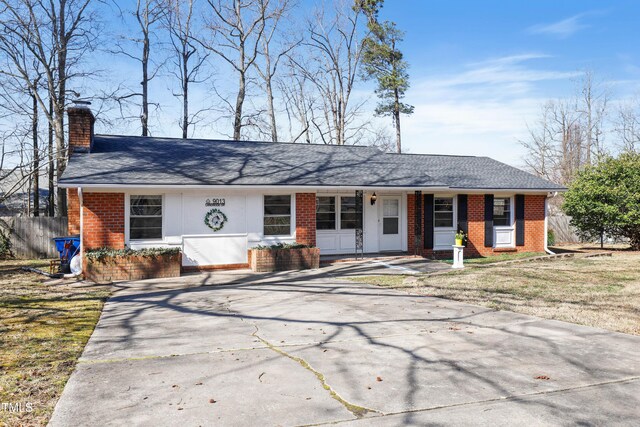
{"type": "Point", "coordinates": [277, 215]}
{"type": "Point", "coordinates": [325, 213]}
{"type": "Point", "coordinates": [146, 210]}
{"type": "Point", "coordinates": [390, 207]}
{"type": "Point", "coordinates": [501, 211]}
{"type": "Point", "coordinates": [277, 210]}
{"type": "Point", "coordinates": [145, 233]}
{"type": "Point", "coordinates": [389, 225]}
{"type": "Point", "coordinates": [349, 217]}
{"type": "Point", "coordinates": [276, 230]}
{"type": "Point", "coordinates": [277, 200]}
{"type": "Point", "coordinates": [443, 212]}
{"type": "Point", "coordinates": [277, 220]}
{"type": "Point", "coordinates": [443, 219]}
{"type": "Point", "coordinates": [146, 200]}
{"type": "Point", "coordinates": [145, 217]}
{"type": "Point", "coordinates": [443, 204]}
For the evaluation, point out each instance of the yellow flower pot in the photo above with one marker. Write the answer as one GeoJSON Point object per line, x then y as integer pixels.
{"type": "Point", "coordinates": [458, 242]}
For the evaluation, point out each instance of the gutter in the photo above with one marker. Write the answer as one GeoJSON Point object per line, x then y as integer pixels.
{"type": "Point", "coordinates": [308, 188]}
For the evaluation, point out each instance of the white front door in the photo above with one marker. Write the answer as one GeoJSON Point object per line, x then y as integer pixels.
{"type": "Point", "coordinates": [390, 223]}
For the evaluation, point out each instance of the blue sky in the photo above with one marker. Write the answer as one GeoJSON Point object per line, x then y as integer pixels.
{"type": "Point", "coordinates": [480, 70]}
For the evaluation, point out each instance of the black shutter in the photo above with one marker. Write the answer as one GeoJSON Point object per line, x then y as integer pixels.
{"type": "Point", "coordinates": [488, 220]}
{"type": "Point", "coordinates": [428, 221]}
{"type": "Point", "coordinates": [519, 219]}
{"type": "Point", "coordinates": [462, 213]}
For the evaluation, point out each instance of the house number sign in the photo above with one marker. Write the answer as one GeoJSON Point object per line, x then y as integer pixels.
{"type": "Point", "coordinates": [215, 202]}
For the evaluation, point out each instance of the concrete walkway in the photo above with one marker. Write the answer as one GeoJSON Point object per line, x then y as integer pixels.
{"type": "Point", "coordinates": [311, 348]}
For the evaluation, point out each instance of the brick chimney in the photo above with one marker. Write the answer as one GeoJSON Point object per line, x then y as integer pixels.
{"type": "Point", "coordinates": [80, 127]}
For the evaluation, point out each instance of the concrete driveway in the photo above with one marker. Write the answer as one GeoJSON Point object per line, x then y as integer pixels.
{"type": "Point", "coordinates": [313, 348]}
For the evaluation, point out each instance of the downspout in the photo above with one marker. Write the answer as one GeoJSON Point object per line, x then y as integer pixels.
{"type": "Point", "coordinates": [546, 225]}
{"type": "Point", "coordinates": [80, 204]}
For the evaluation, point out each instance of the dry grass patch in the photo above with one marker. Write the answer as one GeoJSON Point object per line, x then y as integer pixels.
{"type": "Point", "coordinates": [603, 292]}
{"type": "Point", "coordinates": [44, 326]}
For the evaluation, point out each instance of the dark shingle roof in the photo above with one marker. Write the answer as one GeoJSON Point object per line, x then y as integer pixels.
{"type": "Point", "coordinates": [120, 160]}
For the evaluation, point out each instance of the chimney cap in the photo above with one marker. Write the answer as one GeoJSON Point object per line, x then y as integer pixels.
{"type": "Point", "coordinates": [81, 103]}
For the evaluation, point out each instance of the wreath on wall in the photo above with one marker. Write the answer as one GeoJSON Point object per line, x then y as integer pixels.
{"type": "Point", "coordinates": [215, 219]}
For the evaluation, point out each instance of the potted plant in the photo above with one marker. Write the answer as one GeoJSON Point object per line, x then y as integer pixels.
{"type": "Point", "coordinates": [460, 237]}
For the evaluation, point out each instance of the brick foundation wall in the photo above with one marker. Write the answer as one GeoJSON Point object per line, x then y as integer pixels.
{"type": "Point", "coordinates": [306, 218]}
{"type": "Point", "coordinates": [73, 211]}
{"type": "Point", "coordinates": [534, 228]}
{"type": "Point", "coordinates": [103, 220]}
{"type": "Point", "coordinates": [119, 268]}
{"type": "Point", "coordinates": [265, 260]}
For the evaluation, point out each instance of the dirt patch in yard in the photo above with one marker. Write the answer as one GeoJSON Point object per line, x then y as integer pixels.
{"type": "Point", "coordinates": [602, 292]}
{"type": "Point", "coordinates": [44, 326]}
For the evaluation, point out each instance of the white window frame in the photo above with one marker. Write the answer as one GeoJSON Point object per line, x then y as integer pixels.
{"type": "Point", "coordinates": [336, 217]}
{"type": "Point", "coordinates": [511, 229]}
{"type": "Point", "coordinates": [292, 217]}
{"type": "Point", "coordinates": [449, 232]}
{"type": "Point", "coordinates": [338, 213]}
{"type": "Point", "coordinates": [127, 218]}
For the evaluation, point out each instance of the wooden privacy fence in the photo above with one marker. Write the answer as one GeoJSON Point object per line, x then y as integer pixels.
{"type": "Point", "coordinates": [565, 233]}
{"type": "Point", "coordinates": [31, 237]}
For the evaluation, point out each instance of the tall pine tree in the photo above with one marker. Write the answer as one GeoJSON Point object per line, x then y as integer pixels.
{"type": "Point", "coordinates": [383, 61]}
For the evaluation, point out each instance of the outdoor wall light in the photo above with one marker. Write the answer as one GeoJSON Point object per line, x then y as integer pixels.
{"type": "Point", "coordinates": [373, 199]}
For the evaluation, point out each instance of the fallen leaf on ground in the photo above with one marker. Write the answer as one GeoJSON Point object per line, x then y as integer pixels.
{"type": "Point", "coordinates": [542, 377]}
{"type": "Point", "coordinates": [378, 379]}
{"type": "Point", "coordinates": [212, 401]}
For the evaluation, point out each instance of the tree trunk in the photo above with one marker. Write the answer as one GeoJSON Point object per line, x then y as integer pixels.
{"type": "Point", "coordinates": [145, 86]}
{"type": "Point", "coordinates": [396, 119]}
{"type": "Point", "coordinates": [36, 158]}
{"type": "Point", "coordinates": [61, 154]}
{"type": "Point", "coordinates": [602, 240]}
{"type": "Point", "coordinates": [237, 121]}
{"type": "Point", "coordinates": [185, 96]}
{"type": "Point", "coordinates": [267, 79]}
{"type": "Point", "coordinates": [52, 188]}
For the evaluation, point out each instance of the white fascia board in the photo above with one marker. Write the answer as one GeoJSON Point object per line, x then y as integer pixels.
{"type": "Point", "coordinates": [308, 188]}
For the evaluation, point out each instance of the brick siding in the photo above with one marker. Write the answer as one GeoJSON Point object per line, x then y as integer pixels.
{"type": "Point", "coordinates": [306, 218]}
{"type": "Point", "coordinates": [118, 268]}
{"type": "Point", "coordinates": [265, 260]}
{"type": "Point", "coordinates": [103, 220]}
{"type": "Point", "coordinates": [73, 211]}
{"type": "Point", "coordinates": [534, 228]}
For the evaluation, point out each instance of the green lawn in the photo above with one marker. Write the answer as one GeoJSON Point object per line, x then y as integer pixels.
{"type": "Point", "coordinates": [603, 292]}
{"type": "Point", "coordinates": [44, 326]}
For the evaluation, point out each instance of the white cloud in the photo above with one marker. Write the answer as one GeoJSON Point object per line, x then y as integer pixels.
{"type": "Point", "coordinates": [562, 29]}
{"type": "Point", "coordinates": [481, 110]}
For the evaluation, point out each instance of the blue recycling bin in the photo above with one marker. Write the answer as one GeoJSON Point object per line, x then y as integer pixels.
{"type": "Point", "coordinates": [68, 247]}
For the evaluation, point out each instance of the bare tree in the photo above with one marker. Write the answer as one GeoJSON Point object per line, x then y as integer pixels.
{"type": "Point", "coordinates": [627, 125]}
{"type": "Point", "coordinates": [540, 145]}
{"type": "Point", "coordinates": [592, 106]}
{"type": "Point", "coordinates": [56, 34]}
{"type": "Point", "coordinates": [187, 59]}
{"type": "Point", "coordinates": [147, 15]}
{"type": "Point", "coordinates": [334, 46]}
{"type": "Point", "coordinates": [299, 101]}
{"type": "Point", "coordinates": [272, 50]}
{"type": "Point", "coordinates": [237, 28]}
